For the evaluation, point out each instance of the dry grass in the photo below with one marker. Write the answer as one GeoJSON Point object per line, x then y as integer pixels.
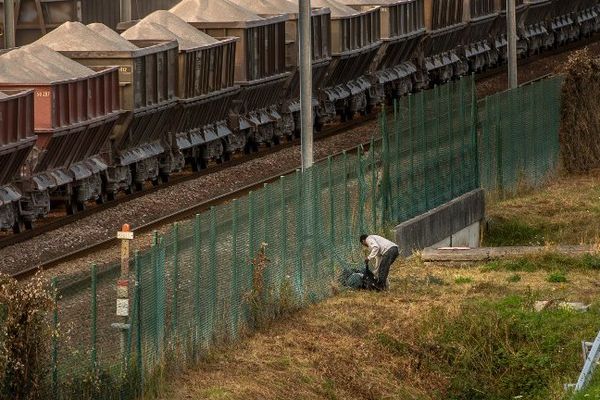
{"type": "Point", "coordinates": [567, 211]}
{"type": "Point", "coordinates": [363, 345]}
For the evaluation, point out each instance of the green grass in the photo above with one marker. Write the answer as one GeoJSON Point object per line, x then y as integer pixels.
{"type": "Point", "coordinates": [545, 262]}
{"type": "Point", "coordinates": [512, 232]}
{"type": "Point", "coordinates": [497, 350]}
{"type": "Point", "coordinates": [514, 278]}
{"type": "Point", "coordinates": [557, 277]}
{"type": "Point", "coordinates": [592, 391]}
{"type": "Point", "coordinates": [461, 280]}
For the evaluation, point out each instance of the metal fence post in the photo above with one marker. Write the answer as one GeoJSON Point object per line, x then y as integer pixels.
{"type": "Point", "coordinates": [411, 144]}
{"type": "Point", "coordinates": [330, 186]}
{"type": "Point", "coordinates": [138, 299]}
{"type": "Point", "coordinates": [438, 113]}
{"type": "Point", "coordinates": [361, 189]}
{"type": "Point", "coordinates": [94, 317]}
{"type": "Point", "coordinates": [299, 264]}
{"type": "Point", "coordinates": [452, 145]}
{"type": "Point", "coordinates": [155, 311]}
{"type": "Point", "coordinates": [197, 254]}
{"type": "Point", "coordinates": [346, 223]}
{"type": "Point", "coordinates": [213, 269]}
{"type": "Point", "coordinates": [373, 186]}
{"type": "Point", "coordinates": [283, 232]}
{"type": "Point", "coordinates": [423, 136]}
{"type": "Point", "coordinates": [499, 147]}
{"type": "Point", "coordinates": [234, 298]}
{"type": "Point", "coordinates": [175, 305]}
{"type": "Point", "coordinates": [55, 339]}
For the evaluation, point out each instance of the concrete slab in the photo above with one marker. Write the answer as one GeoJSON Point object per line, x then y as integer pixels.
{"type": "Point", "coordinates": [440, 223]}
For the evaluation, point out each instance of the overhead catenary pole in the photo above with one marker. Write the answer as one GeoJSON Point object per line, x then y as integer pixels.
{"type": "Point", "coordinates": [511, 23]}
{"type": "Point", "coordinates": [125, 10]}
{"type": "Point", "coordinates": [306, 117]}
{"type": "Point", "coordinates": [9, 24]}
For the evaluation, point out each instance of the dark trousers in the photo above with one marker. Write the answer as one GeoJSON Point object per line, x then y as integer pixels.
{"type": "Point", "coordinates": [384, 267]}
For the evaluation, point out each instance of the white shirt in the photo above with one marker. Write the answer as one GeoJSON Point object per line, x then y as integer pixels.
{"type": "Point", "coordinates": [378, 246]}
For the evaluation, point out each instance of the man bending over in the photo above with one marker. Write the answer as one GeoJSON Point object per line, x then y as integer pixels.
{"type": "Point", "coordinates": [384, 252]}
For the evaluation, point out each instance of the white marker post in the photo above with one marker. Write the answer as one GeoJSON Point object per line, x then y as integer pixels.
{"type": "Point", "coordinates": [125, 235]}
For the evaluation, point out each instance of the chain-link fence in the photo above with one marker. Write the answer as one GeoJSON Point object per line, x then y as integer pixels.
{"type": "Point", "coordinates": [518, 137]}
{"type": "Point", "coordinates": [209, 280]}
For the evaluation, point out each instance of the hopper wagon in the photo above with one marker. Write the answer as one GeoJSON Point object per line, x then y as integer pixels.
{"type": "Point", "coordinates": [397, 67]}
{"type": "Point", "coordinates": [500, 41]}
{"type": "Point", "coordinates": [321, 54]}
{"type": "Point", "coordinates": [442, 48]}
{"type": "Point", "coordinates": [535, 30]}
{"type": "Point", "coordinates": [260, 69]}
{"type": "Point", "coordinates": [587, 17]}
{"type": "Point", "coordinates": [479, 49]}
{"type": "Point", "coordinates": [140, 148]}
{"type": "Point", "coordinates": [205, 85]}
{"type": "Point", "coordinates": [355, 42]}
{"type": "Point", "coordinates": [17, 138]}
{"type": "Point", "coordinates": [76, 108]}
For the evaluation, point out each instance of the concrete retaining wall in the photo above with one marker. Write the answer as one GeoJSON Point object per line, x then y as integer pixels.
{"type": "Point", "coordinates": [456, 223]}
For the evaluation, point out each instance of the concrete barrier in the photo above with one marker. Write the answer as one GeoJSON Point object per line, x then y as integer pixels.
{"type": "Point", "coordinates": [456, 223]}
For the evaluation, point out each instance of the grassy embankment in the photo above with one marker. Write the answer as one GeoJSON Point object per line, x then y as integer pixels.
{"type": "Point", "coordinates": [441, 332]}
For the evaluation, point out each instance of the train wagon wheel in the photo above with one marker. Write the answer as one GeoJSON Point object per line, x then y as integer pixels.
{"type": "Point", "coordinates": [19, 226]}
{"type": "Point", "coordinates": [71, 206]}
{"type": "Point", "coordinates": [198, 164]}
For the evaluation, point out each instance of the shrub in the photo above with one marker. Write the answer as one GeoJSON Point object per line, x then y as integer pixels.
{"type": "Point", "coordinates": [557, 277]}
{"type": "Point", "coordinates": [24, 338]}
{"type": "Point", "coordinates": [496, 350]}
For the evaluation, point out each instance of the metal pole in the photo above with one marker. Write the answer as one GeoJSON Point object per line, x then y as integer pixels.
{"type": "Point", "coordinates": [125, 10]}
{"type": "Point", "coordinates": [9, 24]}
{"type": "Point", "coordinates": [511, 23]}
{"type": "Point", "coordinates": [306, 120]}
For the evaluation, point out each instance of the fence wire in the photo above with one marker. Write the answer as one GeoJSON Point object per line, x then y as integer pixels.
{"type": "Point", "coordinates": [211, 279]}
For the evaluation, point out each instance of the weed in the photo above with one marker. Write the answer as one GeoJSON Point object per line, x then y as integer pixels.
{"type": "Point", "coordinates": [514, 278]}
{"type": "Point", "coordinates": [435, 280]}
{"type": "Point", "coordinates": [460, 280]}
{"type": "Point", "coordinates": [502, 349]}
{"type": "Point", "coordinates": [557, 277]}
{"type": "Point", "coordinates": [392, 344]}
{"type": "Point", "coordinates": [546, 262]}
{"type": "Point", "coordinates": [512, 232]}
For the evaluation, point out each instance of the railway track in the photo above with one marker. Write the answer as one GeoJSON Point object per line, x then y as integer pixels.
{"type": "Point", "coordinates": [180, 178]}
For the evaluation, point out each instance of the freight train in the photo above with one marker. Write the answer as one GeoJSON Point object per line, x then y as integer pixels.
{"type": "Point", "coordinates": [87, 112]}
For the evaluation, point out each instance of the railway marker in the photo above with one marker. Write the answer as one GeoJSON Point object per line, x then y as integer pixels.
{"type": "Point", "coordinates": [122, 312]}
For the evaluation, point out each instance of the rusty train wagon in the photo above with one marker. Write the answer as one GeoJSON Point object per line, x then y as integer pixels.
{"type": "Point", "coordinates": [355, 42]}
{"type": "Point", "coordinates": [76, 109]}
{"type": "Point", "coordinates": [140, 148]}
{"type": "Point", "coordinates": [535, 30]}
{"type": "Point", "coordinates": [479, 37]}
{"type": "Point", "coordinates": [397, 69]}
{"type": "Point", "coordinates": [259, 67]}
{"type": "Point", "coordinates": [17, 138]}
{"type": "Point", "coordinates": [321, 53]}
{"type": "Point", "coordinates": [587, 17]}
{"type": "Point", "coordinates": [205, 85]}
{"type": "Point", "coordinates": [446, 29]}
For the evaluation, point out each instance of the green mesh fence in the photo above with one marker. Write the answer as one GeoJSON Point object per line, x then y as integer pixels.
{"type": "Point", "coordinates": [519, 136]}
{"type": "Point", "coordinates": [219, 275]}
